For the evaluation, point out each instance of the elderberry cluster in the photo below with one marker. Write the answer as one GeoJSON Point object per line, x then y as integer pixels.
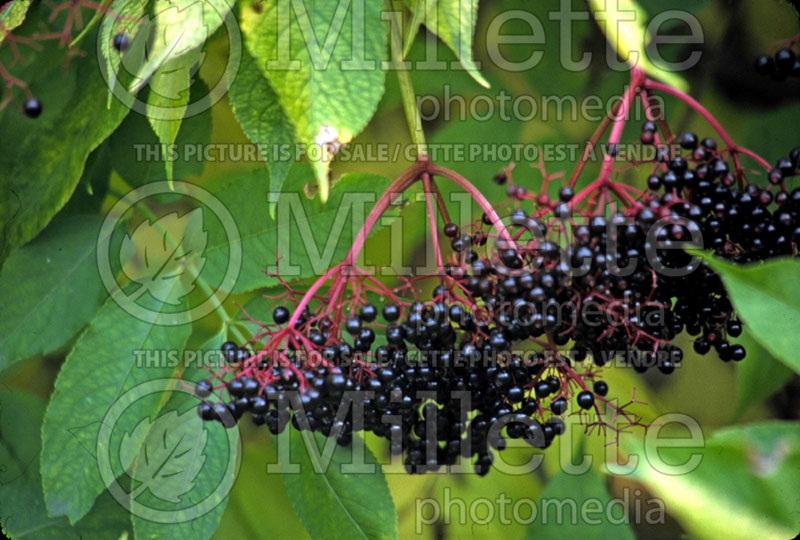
{"type": "Point", "coordinates": [517, 331]}
{"type": "Point", "coordinates": [780, 66]}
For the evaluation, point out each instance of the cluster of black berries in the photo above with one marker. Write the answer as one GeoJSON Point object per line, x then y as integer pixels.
{"type": "Point", "coordinates": [518, 329]}
{"type": "Point", "coordinates": [782, 65]}
{"type": "Point", "coordinates": [407, 398]}
{"type": "Point", "coordinates": [740, 221]}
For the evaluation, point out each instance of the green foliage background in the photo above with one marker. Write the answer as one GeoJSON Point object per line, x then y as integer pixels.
{"type": "Point", "coordinates": [62, 340]}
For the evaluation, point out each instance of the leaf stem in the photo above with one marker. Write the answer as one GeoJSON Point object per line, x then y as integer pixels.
{"type": "Point", "coordinates": [406, 87]}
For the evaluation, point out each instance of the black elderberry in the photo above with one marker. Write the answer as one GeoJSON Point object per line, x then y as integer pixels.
{"type": "Point", "coordinates": [242, 354]}
{"type": "Point", "coordinates": [451, 230]}
{"type": "Point", "coordinates": [559, 405]}
{"type": "Point", "coordinates": [734, 329]}
{"type": "Point", "coordinates": [203, 389]}
{"type": "Point", "coordinates": [553, 383]}
{"type": "Point", "coordinates": [368, 313]}
{"type": "Point", "coordinates": [600, 388]}
{"type": "Point", "coordinates": [336, 382]}
{"type": "Point", "coordinates": [688, 141]}
{"type": "Point", "coordinates": [786, 166]}
{"type": "Point", "coordinates": [515, 394]}
{"type": "Point", "coordinates": [121, 42]}
{"type": "Point", "coordinates": [353, 325]}
{"type": "Point", "coordinates": [205, 411]}
{"type": "Point", "coordinates": [222, 413]}
{"type": "Point", "coordinates": [391, 312]}
{"type": "Point", "coordinates": [236, 387]}
{"type": "Point", "coordinates": [765, 65]}
{"type": "Point", "coordinates": [542, 389]}
{"type": "Point", "coordinates": [229, 352]}
{"type": "Point", "coordinates": [585, 400]}
{"type": "Point", "coordinates": [784, 61]}
{"type": "Point", "coordinates": [557, 425]}
{"type": "Point", "coordinates": [709, 143]}
{"type": "Point", "coordinates": [250, 387]}
{"type": "Point", "coordinates": [280, 315]}
{"type": "Point", "coordinates": [500, 178]}
{"type": "Point", "coordinates": [562, 211]}
{"type": "Point", "coordinates": [33, 108]}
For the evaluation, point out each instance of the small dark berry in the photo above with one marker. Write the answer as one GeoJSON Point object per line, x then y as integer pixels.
{"type": "Point", "coordinates": [585, 400]}
{"type": "Point", "coordinates": [203, 389]}
{"type": "Point", "coordinates": [33, 108]}
{"type": "Point", "coordinates": [368, 313]}
{"type": "Point", "coordinates": [121, 42]}
{"type": "Point", "coordinates": [500, 178]}
{"type": "Point", "coordinates": [280, 315]}
{"type": "Point", "coordinates": [391, 312]}
{"type": "Point", "coordinates": [600, 388]}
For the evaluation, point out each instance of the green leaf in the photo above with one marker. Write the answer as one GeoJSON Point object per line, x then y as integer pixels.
{"type": "Point", "coordinates": [168, 99]}
{"type": "Point", "coordinates": [336, 506]}
{"type": "Point", "coordinates": [691, 6]}
{"type": "Point", "coordinates": [138, 155]}
{"type": "Point", "coordinates": [759, 376]}
{"type": "Point", "coordinates": [12, 15]}
{"type": "Point", "coordinates": [624, 24]}
{"type": "Point", "coordinates": [183, 462]}
{"type": "Point", "coordinates": [41, 160]}
{"type": "Point", "coordinates": [23, 513]}
{"type": "Point", "coordinates": [323, 59]}
{"type": "Point", "coordinates": [262, 118]}
{"type": "Point", "coordinates": [179, 27]}
{"type": "Point", "coordinates": [130, 21]}
{"type": "Point", "coordinates": [766, 297]}
{"type": "Point", "coordinates": [39, 316]}
{"type": "Point", "coordinates": [582, 501]}
{"type": "Point", "coordinates": [101, 367]}
{"type": "Point", "coordinates": [308, 235]}
{"type": "Point", "coordinates": [744, 485]}
{"type": "Point", "coordinates": [417, 8]}
{"type": "Point", "coordinates": [259, 497]}
{"type": "Point", "coordinates": [93, 186]}
{"type": "Point", "coordinates": [454, 22]}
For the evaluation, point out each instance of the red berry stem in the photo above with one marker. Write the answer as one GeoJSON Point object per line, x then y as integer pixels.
{"type": "Point", "coordinates": [426, 183]}
{"type": "Point", "coordinates": [694, 104]}
{"type": "Point", "coordinates": [637, 77]}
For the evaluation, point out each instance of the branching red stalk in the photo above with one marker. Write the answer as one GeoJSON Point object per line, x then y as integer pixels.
{"type": "Point", "coordinates": [694, 104]}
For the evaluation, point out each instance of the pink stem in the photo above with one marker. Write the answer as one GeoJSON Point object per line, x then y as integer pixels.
{"type": "Point", "coordinates": [476, 195]}
{"type": "Point", "coordinates": [694, 104]}
{"type": "Point", "coordinates": [400, 184]}
{"type": "Point", "coordinates": [637, 76]}
{"type": "Point", "coordinates": [426, 182]}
